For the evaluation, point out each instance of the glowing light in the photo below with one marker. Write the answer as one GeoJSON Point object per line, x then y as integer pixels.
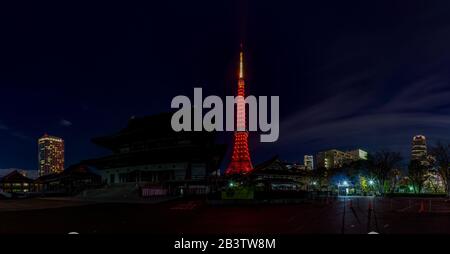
{"type": "Point", "coordinates": [241, 65]}
{"type": "Point", "coordinates": [345, 183]}
{"type": "Point", "coordinates": [240, 159]}
{"type": "Point", "coordinates": [371, 182]}
{"type": "Point", "coordinates": [51, 155]}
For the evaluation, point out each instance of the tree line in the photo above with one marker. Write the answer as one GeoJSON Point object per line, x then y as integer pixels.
{"type": "Point", "coordinates": [384, 169]}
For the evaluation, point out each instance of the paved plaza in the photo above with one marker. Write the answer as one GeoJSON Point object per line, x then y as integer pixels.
{"type": "Point", "coordinates": [344, 215]}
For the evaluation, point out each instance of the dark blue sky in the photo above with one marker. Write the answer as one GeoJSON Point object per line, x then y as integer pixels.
{"type": "Point", "coordinates": [349, 74]}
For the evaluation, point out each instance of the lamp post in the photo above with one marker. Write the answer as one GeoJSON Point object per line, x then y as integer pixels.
{"type": "Point", "coordinates": [339, 188]}
{"type": "Point", "coordinates": [344, 184]}
{"type": "Point", "coordinates": [371, 183]}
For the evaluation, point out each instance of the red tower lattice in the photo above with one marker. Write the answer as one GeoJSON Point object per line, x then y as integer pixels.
{"type": "Point", "coordinates": [240, 159]}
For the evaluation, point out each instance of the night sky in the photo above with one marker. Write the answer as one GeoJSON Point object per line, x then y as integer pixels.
{"type": "Point", "coordinates": [349, 74]}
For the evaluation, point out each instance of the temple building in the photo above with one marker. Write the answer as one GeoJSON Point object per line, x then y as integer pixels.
{"type": "Point", "coordinates": [275, 175]}
{"type": "Point", "coordinates": [73, 180]}
{"type": "Point", "coordinates": [148, 152]}
{"type": "Point", "coordinates": [15, 182]}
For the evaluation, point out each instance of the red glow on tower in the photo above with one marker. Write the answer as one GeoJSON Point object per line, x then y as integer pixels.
{"type": "Point", "coordinates": [240, 160]}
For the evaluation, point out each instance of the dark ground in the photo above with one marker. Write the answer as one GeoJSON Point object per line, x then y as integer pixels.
{"type": "Point", "coordinates": [344, 215]}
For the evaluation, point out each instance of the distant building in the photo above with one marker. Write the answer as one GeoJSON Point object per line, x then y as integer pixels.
{"type": "Point", "coordinates": [16, 182]}
{"type": "Point", "coordinates": [419, 148]}
{"type": "Point", "coordinates": [51, 155]}
{"type": "Point", "coordinates": [358, 154]}
{"type": "Point", "coordinates": [294, 166]}
{"type": "Point", "coordinates": [150, 154]}
{"type": "Point", "coordinates": [33, 174]}
{"type": "Point", "coordinates": [434, 183]}
{"type": "Point", "coordinates": [335, 158]}
{"type": "Point", "coordinates": [275, 175]}
{"type": "Point", "coordinates": [71, 181]}
{"type": "Point", "coordinates": [308, 161]}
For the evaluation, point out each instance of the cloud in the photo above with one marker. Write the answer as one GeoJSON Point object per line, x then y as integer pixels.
{"type": "Point", "coordinates": [13, 132]}
{"type": "Point", "coordinates": [65, 123]}
{"type": "Point", "coordinates": [3, 127]}
{"type": "Point", "coordinates": [19, 135]}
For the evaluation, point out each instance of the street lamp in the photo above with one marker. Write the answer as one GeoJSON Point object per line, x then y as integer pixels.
{"type": "Point", "coordinates": [344, 184]}
{"type": "Point", "coordinates": [371, 184]}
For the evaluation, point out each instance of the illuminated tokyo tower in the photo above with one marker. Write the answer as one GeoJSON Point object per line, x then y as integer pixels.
{"type": "Point", "coordinates": [240, 160]}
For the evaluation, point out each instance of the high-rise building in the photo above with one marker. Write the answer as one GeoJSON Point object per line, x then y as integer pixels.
{"type": "Point", "coordinates": [336, 158]}
{"type": "Point", "coordinates": [419, 148]}
{"type": "Point", "coordinates": [333, 158]}
{"type": "Point", "coordinates": [358, 154]}
{"type": "Point", "coordinates": [240, 159]}
{"type": "Point", "coordinates": [308, 161]}
{"type": "Point", "coordinates": [51, 155]}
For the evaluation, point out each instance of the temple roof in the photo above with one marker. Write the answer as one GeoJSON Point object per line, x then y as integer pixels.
{"type": "Point", "coordinates": [150, 128]}
{"type": "Point", "coordinates": [276, 167]}
{"type": "Point", "coordinates": [172, 155]}
{"type": "Point", "coordinates": [74, 171]}
{"type": "Point", "coordinates": [151, 140]}
{"type": "Point", "coordinates": [15, 177]}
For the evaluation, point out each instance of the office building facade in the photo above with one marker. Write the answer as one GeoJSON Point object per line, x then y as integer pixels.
{"type": "Point", "coordinates": [308, 161]}
{"type": "Point", "coordinates": [51, 155]}
{"type": "Point", "coordinates": [419, 148]}
{"type": "Point", "coordinates": [335, 158]}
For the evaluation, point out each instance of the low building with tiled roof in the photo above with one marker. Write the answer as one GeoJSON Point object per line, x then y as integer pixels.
{"type": "Point", "coordinates": [15, 182]}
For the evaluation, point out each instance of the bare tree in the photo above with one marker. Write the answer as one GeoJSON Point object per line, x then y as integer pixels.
{"type": "Point", "coordinates": [417, 173]}
{"type": "Point", "coordinates": [381, 165]}
{"type": "Point", "coordinates": [441, 159]}
{"type": "Point", "coordinates": [432, 182]}
{"type": "Point", "coordinates": [394, 176]}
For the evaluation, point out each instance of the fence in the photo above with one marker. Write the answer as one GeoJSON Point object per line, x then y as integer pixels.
{"type": "Point", "coordinates": [152, 192]}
